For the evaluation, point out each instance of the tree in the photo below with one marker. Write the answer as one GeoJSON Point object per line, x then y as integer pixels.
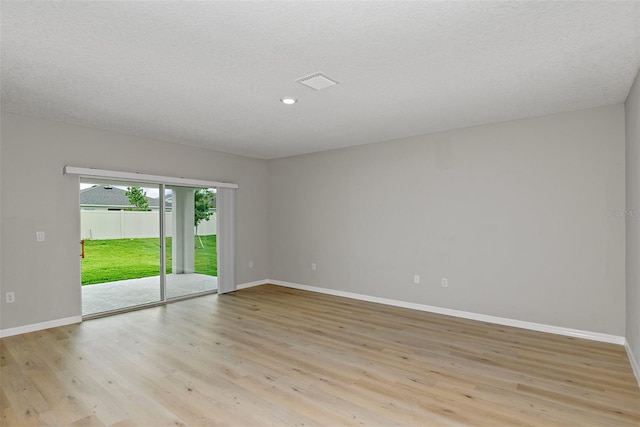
{"type": "Point", "coordinates": [204, 201]}
{"type": "Point", "coordinates": [138, 198]}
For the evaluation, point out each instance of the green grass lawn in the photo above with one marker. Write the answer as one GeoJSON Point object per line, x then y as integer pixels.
{"type": "Point", "coordinates": [122, 259]}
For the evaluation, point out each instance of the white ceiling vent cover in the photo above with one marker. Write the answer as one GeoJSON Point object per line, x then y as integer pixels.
{"type": "Point", "coordinates": [317, 81]}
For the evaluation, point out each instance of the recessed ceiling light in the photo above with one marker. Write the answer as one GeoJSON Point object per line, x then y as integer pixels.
{"type": "Point", "coordinates": [288, 100]}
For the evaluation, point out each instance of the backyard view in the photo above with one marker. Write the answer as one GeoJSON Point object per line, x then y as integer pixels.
{"type": "Point", "coordinates": [122, 259]}
{"type": "Point", "coordinates": [121, 227]}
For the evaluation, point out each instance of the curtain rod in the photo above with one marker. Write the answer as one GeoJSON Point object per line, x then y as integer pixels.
{"type": "Point", "coordinates": [142, 177]}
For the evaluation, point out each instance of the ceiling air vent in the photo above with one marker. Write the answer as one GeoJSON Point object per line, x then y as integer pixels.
{"type": "Point", "coordinates": [317, 81]}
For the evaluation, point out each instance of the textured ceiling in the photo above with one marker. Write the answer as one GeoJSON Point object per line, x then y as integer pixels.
{"type": "Point", "coordinates": [211, 74]}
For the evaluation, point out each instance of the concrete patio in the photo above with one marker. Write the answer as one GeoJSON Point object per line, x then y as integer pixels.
{"type": "Point", "coordinates": [128, 293]}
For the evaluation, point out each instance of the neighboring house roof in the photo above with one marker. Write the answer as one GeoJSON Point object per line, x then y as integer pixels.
{"type": "Point", "coordinates": [104, 195]}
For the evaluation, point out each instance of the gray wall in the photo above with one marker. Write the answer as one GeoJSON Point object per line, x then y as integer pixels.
{"type": "Point", "coordinates": [513, 214]}
{"type": "Point", "coordinates": [36, 196]}
{"type": "Point", "coordinates": [633, 220]}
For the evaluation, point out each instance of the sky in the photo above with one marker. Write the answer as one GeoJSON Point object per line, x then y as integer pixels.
{"type": "Point", "coordinates": [152, 191]}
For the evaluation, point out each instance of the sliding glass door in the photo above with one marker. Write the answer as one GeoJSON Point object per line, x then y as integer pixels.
{"type": "Point", "coordinates": [144, 244]}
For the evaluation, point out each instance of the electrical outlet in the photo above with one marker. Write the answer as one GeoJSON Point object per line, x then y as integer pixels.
{"type": "Point", "coordinates": [10, 297]}
{"type": "Point", "coordinates": [416, 279]}
{"type": "Point", "coordinates": [39, 236]}
{"type": "Point", "coordinates": [250, 264]}
{"type": "Point", "coordinates": [313, 266]}
{"type": "Point", "coordinates": [445, 282]}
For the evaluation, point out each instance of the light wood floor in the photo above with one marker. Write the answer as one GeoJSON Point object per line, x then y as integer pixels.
{"type": "Point", "coordinates": [276, 356]}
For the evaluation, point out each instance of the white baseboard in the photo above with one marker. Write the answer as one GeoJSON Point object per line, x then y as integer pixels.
{"type": "Point", "coordinates": [635, 366]}
{"type": "Point", "coordinates": [576, 333]}
{"type": "Point", "coordinates": [39, 326]}
{"type": "Point", "coordinates": [251, 284]}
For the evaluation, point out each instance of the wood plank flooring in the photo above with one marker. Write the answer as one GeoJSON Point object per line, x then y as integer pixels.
{"type": "Point", "coordinates": [275, 356]}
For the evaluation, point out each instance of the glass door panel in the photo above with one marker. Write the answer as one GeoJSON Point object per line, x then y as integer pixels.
{"type": "Point", "coordinates": [191, 254]}
{"type": "Point", "coordinates": [120, 229]}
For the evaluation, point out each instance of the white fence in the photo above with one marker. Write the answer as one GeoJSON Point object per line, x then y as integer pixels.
{"type": "Point", "coordinates": [104, 225]}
